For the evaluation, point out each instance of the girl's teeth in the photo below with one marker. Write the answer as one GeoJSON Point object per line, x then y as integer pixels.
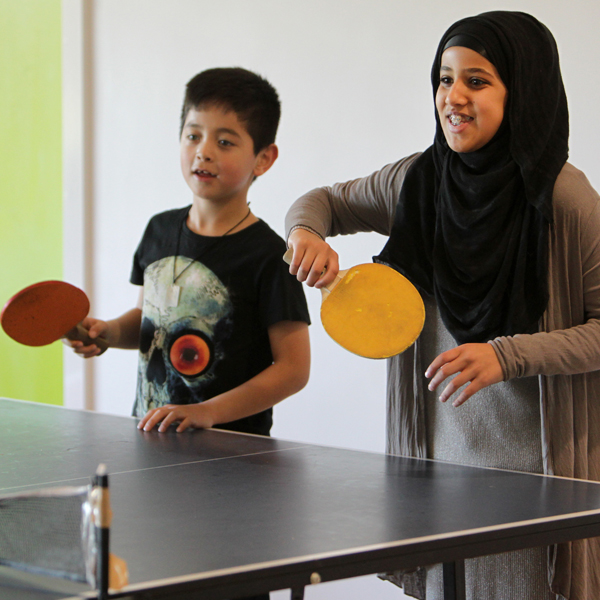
{"type": "Point", "coordinates": [457, 120]}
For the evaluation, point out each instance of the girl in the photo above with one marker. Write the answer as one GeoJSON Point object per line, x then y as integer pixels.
{"type": "Point", "coordinates": [500, 234]}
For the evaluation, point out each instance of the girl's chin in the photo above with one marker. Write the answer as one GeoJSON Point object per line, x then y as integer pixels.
{"type": "Point", "coordinates": [463, 146]}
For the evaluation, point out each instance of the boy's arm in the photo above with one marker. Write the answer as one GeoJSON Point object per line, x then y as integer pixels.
{"type": "Point", "coordinates": [287, 375]}
{"type": "Point", "coordinates": [122, 332]}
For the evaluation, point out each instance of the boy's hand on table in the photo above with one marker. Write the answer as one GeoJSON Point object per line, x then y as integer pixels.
{"type": "Point", "coordinates": [96, 328]}
{"type": "Point", "coordinates": [186, 415]}
{"type": "Point", "coordinates": [476, 364]}
{"type": "Point", "coordinates": [314, 261]}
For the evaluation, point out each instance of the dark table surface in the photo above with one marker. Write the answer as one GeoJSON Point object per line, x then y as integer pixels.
{"type": "Point", "coordinates": [212, 514]}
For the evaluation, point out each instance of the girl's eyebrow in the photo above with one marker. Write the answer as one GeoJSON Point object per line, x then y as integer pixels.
{"type": "Point", "coordinates": [479, 70]}
{"type": "Point", "coordinates": [470, 70]}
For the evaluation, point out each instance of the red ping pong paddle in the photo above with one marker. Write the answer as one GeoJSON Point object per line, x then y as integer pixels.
{"type": "Point", "coordinates": [371, 310]}
{"type": "Point", "coordinates": [48, 311]}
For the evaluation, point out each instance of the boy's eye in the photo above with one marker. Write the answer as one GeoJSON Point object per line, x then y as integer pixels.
{"type": "Point", "coordinates": [192, 137]}
{"type": "Point", "coordinates": [225, 143]}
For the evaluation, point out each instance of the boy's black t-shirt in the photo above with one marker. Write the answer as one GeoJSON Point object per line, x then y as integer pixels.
{"type": "Point", "coordinates": [207, 333]}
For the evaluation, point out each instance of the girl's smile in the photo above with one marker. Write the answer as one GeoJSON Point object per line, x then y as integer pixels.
{"type": "Point", "coordinates": [470, 99]}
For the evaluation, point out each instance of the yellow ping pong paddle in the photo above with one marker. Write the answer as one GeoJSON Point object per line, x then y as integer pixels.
{"type": "Point", "coordinates": [371, 310]}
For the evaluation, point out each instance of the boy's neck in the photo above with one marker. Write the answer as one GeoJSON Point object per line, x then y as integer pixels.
{"type": "Point", "coordinates": [207, 219]}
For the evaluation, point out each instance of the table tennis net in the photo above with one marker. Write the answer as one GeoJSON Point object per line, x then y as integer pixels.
{"type": "Point", "coordinates": [50, 532]}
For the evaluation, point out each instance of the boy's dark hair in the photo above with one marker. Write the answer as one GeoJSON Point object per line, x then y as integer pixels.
{"type": "Point", "coordinates": [252, 98]}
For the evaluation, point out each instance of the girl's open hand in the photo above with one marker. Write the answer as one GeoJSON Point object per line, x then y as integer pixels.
{"type": "Point", "coordinates": [476, 364]}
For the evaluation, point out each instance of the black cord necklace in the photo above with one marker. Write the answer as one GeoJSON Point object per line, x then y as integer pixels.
{"type": "Point", "coordinates": [177, 276]}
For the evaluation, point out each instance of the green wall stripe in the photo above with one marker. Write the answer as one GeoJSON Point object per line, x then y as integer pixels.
{"type": "Point", "coordinates": [30, 181]}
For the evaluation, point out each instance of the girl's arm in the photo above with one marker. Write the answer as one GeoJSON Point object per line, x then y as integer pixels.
{"type": "Point", "coordinates": [365, 204]}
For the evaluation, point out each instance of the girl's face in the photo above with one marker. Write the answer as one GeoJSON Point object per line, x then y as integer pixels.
{"type": "Point", "coordinates": [470, 99]}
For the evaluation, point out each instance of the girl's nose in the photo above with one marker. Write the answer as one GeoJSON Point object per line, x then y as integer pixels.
{"type": "Point", "coordinates": [456, 95]}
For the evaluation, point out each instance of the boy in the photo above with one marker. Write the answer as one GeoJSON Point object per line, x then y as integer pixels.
{"type": "Point", "coordinates": [221, 326]}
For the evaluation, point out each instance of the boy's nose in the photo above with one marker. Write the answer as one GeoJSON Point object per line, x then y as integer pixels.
{"type": "Point", "coordinates": [203, 152]}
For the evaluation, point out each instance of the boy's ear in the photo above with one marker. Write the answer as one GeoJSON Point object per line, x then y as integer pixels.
{"type": "Point", "coordinates": [265, 159]}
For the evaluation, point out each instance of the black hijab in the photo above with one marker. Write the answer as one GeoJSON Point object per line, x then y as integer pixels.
{"type": "Point", "coordinates": [472, 229]}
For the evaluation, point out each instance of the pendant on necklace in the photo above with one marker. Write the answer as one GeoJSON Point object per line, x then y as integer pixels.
{"type": "Point", "coordinates": [172, 296]}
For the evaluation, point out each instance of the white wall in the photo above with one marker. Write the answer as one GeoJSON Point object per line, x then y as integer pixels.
{"type": "Point", "coordinates": [353, 77]}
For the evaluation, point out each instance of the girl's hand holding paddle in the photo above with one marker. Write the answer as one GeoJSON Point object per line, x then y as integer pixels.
{"type": "Point", "coordinates": [314, 262]}
{"type": "Point", "coordinates": [474, 363]}
{"type": "Point", "coordinates": [370, 309]}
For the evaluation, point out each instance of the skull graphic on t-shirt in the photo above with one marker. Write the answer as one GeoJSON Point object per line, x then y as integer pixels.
{"type": "Point", "coordinates": [183, 326]}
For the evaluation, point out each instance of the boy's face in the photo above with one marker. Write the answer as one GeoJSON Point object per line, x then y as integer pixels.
{"type": "Point", "coordinates": [217, 155]}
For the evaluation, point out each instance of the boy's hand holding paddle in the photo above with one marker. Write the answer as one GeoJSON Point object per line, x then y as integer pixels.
{"type": "Point", "coordinates": [96, 342]}
{"type": "Point", "coordinates": [48, 311]}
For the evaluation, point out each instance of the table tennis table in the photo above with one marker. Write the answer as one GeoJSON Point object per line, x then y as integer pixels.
{"type": "Point", "coordinates": [217, 515]}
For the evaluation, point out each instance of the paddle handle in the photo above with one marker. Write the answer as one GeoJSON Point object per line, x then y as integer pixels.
{"type": "Point", "coordinates": [80, 333]}
{"type": "Point", "coordinates": [325, 291]}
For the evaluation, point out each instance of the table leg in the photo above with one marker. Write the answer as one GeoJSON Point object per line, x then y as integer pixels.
{"type": "Point", "coordinates": [297, 593]}
{"type": "Point", "coordinates": [454, 580]}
